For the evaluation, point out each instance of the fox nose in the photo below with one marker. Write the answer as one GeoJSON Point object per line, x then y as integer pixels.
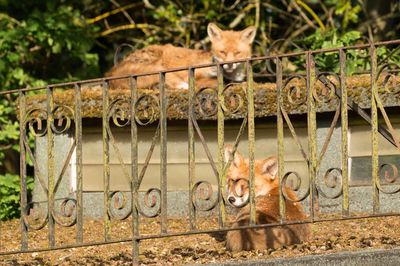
{"type": "Point", "coordinates": [232, 199]}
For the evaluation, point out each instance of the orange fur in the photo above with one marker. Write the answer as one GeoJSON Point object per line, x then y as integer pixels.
{"type": "Point", "coordinates": [267, 207]}
{"type": "Point", "coordinates": [225, 46]}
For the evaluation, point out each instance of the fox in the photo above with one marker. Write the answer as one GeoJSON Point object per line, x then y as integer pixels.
{"type": "Point", "coordinates": [266, 204]}
{"type": "Point", "coordinates": [226, 45]}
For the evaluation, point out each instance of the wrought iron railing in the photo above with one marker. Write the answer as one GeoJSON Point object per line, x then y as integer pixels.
{"type": "Point", "coordinates": [308, 90]}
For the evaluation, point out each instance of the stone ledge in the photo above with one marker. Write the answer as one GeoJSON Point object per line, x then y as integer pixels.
{"type": "Point", "coordinates": [265, 99]}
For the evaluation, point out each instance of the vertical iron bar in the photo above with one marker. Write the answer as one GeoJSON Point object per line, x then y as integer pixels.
{"type": "Point", "coordinates": [374, 129]}
{"type": "Point", "coordinates": [50, 167]}
{"type": "Point", "coordinates": [22, 169]}
{"type": "Point", "coordinates": [106, 162]}
{"type": "Point", "coordinates": [78, 152]}
{"type": "Point", "coordinates": [191, 147]}
{"type": "Point", "coordinates": [345, 127]}
{"type": "Point", "coordinates": [251, 136]}
{"type": "Point", "coordinates": [134, 173]}
{"type": "Point", "coordinates": [220, 130]}
{"type": "Point", "coordinates": [163, 153]}
{"type": "Point", "coordinates": [280, 137]}
{"type": "Point", "coordinates": [312, 130]}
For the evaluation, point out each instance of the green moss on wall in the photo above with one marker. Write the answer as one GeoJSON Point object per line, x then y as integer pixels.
{"type": "Point", "coordinates": [235, 106]}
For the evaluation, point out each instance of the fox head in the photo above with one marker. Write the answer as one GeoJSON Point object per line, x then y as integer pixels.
{"type": "Point", "coordinates": [229, 46]}
{"type": "Point", "coordinates": [265, 172]}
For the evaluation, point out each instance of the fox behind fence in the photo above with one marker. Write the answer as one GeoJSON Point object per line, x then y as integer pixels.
{"type": "Point", "coordinates": [273, 93]}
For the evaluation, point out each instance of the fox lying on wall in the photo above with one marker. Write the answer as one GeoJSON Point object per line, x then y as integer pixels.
{"type": "Point", "coordinates": [225, 46]}
{"type": "Point", "coordinates": [267, 206]}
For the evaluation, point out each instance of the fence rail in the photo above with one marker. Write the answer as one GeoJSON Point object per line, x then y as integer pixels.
{"type": "Point", "coordinates": [312, 88]}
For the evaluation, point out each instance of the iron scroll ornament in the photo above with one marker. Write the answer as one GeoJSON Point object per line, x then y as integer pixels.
{"type": "Point", "coordinates": [202, 196]}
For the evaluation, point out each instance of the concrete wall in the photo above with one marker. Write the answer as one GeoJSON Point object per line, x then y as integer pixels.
{"type": "Point", "coordinates": [177, 154]}
{"type": "Point", "coordinates": [177, 157]}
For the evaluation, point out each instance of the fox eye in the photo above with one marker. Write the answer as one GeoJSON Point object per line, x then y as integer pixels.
{"type": "Point", "coordinates": [237, 53]}
{"type": "Point", "coordinates": [222, 52]}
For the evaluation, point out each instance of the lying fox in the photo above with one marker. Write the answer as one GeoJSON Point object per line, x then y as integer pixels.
{"type": "Point", "coordinates": [267, 207]}
{"type": "Point", "coordinates": [225, 46]}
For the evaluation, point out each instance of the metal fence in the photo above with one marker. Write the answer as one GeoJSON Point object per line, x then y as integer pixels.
{"type": "Point", "coordinates": [311, 86]}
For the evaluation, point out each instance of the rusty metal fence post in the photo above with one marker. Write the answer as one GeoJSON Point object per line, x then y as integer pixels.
{"type": "Point", "coordinates": [106, 163]}
{"type": "Point", "coordinates": [22, 167]}
{"type": "Point", "coordinates": [344, 133]}
{"type": "Point", "coordinates": [163, 154]}
{"type": "Point", "coordinates": [134, 172]}
{"type": "Point", "coordinates": [191, 148]}
{"type": "Point", "coordinates": [221, 146]}
{"type": "Point", "coordinates": [280, 136]}
{"type": "Point", "coordinates": [50, 167]}
{"type": "Point", "coordinates": [79, 176]}
{"type": "Point", "coordinates": [312, 129]}
{"type": "Point", "coordinates": [374, 132]}
{"type": "Point", "coordinates": [251, 138]}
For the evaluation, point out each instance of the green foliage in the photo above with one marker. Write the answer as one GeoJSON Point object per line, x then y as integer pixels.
{"type": "Point", "coordinates": [9, 128]}
{"type": "Point", "coordinates": [347, 11]}
{"type": "Point", "coordinates": [357, 59]}
{"type": "Point", "coordinates": [332, 39]}
{"type": "Point", "coordinates": [329, 39]}
{"type": "Point", "coordinates": [184, 22]}
{"type": "Point", "coordinates": [9, 184]}
{"type": "Point", "coordinates": [389, 56]}
{"type": "Point", "coordinates": [45, 46]}
{"type": "Point", "coordinates": [51, 41]}
{"type": "Point", "coordinates": [10, 196]}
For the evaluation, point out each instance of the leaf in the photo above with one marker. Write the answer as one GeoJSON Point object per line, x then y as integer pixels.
{"type": "Point", "coordinates": [350, 37]}
{"type": "Point", "coordinates": [56, 48]}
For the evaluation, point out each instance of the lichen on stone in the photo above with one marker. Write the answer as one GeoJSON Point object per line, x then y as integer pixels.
{"type": "Point", "coordinates": [293, 98]}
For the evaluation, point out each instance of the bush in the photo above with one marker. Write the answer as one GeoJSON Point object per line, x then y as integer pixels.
{"type": "Point", "coordinates": [10, 195]}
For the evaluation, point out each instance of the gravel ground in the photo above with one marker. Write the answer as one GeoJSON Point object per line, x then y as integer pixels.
{"type": "Point", "coordinates": [328, 237]}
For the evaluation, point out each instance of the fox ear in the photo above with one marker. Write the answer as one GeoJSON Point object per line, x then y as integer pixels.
{"type": "Point", "coordinates": [248, 34]}
{"type": "Point", "coordinates": [214, 32]}
{"type": "Point", "coordinates": [237, 157]}
{"type": "Point", "coordinates": [270, 166]}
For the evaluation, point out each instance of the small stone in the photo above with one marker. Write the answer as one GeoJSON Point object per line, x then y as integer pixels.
{"type": "Point", "coordinates": [235, 255]}
{"type": "Point", "coordinates": [333, 238]}
{"type": "Point", "coordinates": [164, 252]}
